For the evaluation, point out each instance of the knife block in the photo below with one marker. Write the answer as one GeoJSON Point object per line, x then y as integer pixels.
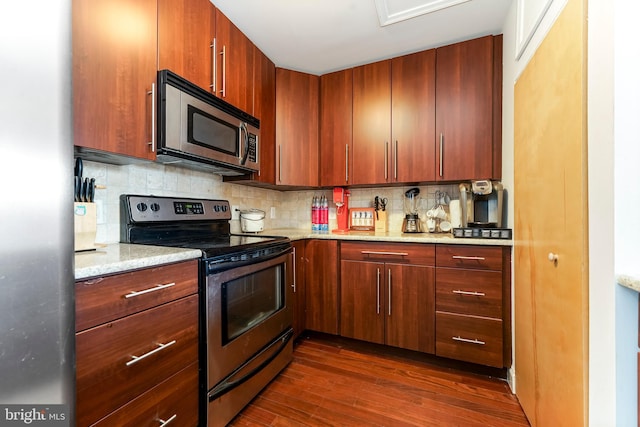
{"type": "Point", "coordinates": [84, 218]}
{"type": "Point", "coordinates": [381, 222]}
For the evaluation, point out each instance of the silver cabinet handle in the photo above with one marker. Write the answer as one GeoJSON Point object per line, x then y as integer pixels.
{"type": "Point", "coordinates": [471, 293]}
{"type": "Point", "coordinates": [386, 160]}
{"type": "Point", "coordinates": [294, 269]}
{"type": "Point", "coordinates": [467, 340]}
{"type": "Point", "coordinates": [213, 66]}
{"type": "Point", "coordinates": [152, 92]}
{"type": "Point", "coordinates": [136, 359]}
{"type": "Point", "coordinates": [395, 163]}
{"type": "Point", "coordinates": [223, 91]}
{"type": "Point", "coordinates": [164, 423]}
{"type": "Point", "coordinates": [146, 291]}
{"type": "Point", "coordinates": [441, 147]}
{"type": "Point", "coordinates": [469, 258]}
{"type": "Point", "coordinates": [389, 302]}
{"type": "Point", "coordinates": [378, 293]}
{"type": "Point", "coordinates": [384, 253]}
{"type": "Point", "coordinates": [280, 163]}
{"type": "Point", "coordinates": [346, 163]}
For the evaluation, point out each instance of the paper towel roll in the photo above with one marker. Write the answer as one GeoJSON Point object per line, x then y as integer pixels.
{"type": "Point", "coordinates": [455, 212]}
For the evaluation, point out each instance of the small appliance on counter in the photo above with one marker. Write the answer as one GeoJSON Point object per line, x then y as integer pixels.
{"type": "Point", "coordinates": [481, 203]}
{"type": "Point", "coordinates": [341, 199]}
{"type": "Point", "coordinates": [252, 220]}
{"type": "Point", "coordinates": [411, 222]}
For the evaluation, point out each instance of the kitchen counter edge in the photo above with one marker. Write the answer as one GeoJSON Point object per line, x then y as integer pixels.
{"type": "Point", "coordinates": [120, 257]}
{"type": "Point", "coordinates": [296, 234]}
{"type": "Point", "coordinates": [629, 281]}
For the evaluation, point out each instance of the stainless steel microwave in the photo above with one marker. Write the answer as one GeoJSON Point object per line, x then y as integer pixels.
{"type": "Point", "coordinates": [201, 131]}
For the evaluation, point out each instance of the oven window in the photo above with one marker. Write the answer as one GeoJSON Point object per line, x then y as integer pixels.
{"type": "Point", "coordinates": [249, 300]}
{"type": "Point", "coordinates": [208, 131]}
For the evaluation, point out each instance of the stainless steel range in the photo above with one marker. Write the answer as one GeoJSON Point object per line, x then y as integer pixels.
{"type": "Point", "coordinates": [245, 295]}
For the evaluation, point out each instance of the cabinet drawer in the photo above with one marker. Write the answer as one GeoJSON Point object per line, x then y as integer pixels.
{"type": "Point", "coordinates": [468, 256]}
{"type": "Point", "coordinates": [108, 376]}
{"type": "Point", "coordinates": [104, 299]}
{"type": "Point", "coordinates": [175, 399]}
{"type": "Point", "coordinates": [469, 338]}
{"type": "Point", "coordinates": [397, 253]}
{"type": "Point", "coordinates": [473, 292]}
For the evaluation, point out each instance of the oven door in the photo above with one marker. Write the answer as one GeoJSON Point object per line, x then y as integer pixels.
{"type": "Point", "coordinates": [247, 308]}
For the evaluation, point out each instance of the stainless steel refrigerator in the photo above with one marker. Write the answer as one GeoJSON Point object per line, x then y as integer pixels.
{"type": "Point", "coordinates": [36, 214]}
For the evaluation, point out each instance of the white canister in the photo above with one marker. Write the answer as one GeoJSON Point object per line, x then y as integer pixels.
{"type": "Point", "coordinates": [455, 213]}
{"type": "Point", "coordinates": [252, 220]}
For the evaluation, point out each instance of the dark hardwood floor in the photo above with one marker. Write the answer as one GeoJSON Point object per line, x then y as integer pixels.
{"type": "Point", "coordinates": [338, 382]}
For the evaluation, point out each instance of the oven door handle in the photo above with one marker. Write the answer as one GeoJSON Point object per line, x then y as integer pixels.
{"type": "Point", "coordinates": [230, 382]}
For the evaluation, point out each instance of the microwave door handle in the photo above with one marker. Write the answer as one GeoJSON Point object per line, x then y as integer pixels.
{"type": "Point", "coordinates": [244, 130]}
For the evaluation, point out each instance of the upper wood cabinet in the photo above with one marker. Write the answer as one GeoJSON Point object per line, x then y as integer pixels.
{"type": "Point", "coordinates": [297, 128]}
{"type": "Point", "coordinates": [336, 98]}
{"type": "Point", "coordinates": [186, 34]}
{"type": "Point", "coordinates": [234, 72]}
{"type": "Point", "coordinates": [114, 72]}
{"type": "Point", "coordinates": [264, 108]}
{"type": "Point", "coordinates": [468, 109]}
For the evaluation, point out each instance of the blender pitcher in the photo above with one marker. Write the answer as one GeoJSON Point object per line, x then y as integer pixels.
{"type": "Point", "coordinates": [411, 223]}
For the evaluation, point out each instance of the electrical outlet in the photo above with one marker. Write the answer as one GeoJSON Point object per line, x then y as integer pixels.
{"type": "Point", "coordinates": [235, 212]}
{"type": "Point", "coordinates": [273, 212]}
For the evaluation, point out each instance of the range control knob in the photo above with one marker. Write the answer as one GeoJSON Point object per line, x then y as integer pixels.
{"type": "Point", "coordinates": [141, 206]}
{"type": "Point", "coordinates": [155, 207]}
{"type": "Point", "coordinates": [224, 208]}
{"type": "Point", "coordinates": [216, 208]}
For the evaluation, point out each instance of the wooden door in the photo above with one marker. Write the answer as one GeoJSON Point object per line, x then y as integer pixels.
{"type": "Point", "coordinates": [362, 312]}
{"type": "Point", "coordinates": [265, 110]}
{"type": "Point", "coordinates": [410, 307]}
{"type": "Point", "coordinates": [234, 73]}
{"type": "Point", "coordinates": [114, 68]}
{"type": "Point", "coordinates": [186, 31]}
{"type": "Point", "coordinates": [322, 286]}
{"type": "Point", "coordinates": [336, 99]}
{"type": "Point", "coordinates": [551, 297]}
{"type": "Point", "coordinates": [299, 303]}
{"type": "Point", "coordinates": [372, 123]}
{"type": "Point", "coordinates": [297, 128]}
{"type": "Point", "coordinates": [464, 110]}
{"type": "Point", "coordinates": [413, 115]}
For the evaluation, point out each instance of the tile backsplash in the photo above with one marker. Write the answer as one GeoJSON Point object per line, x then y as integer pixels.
{"type": "Point", "coordinates": [292, 208]}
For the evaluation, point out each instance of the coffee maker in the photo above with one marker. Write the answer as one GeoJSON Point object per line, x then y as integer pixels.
{"type": "Point", "coordinates": [481, 203]}
{"type": "Point", "coordinates": [411, 222]}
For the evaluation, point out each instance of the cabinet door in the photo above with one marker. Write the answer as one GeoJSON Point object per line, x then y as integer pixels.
{"type": "Point", "coordinates": [186, 31]}
{"type": "Point", "coordinates": [264, 108]}
{"type": "Point", "coordinates": [297, 128]}
{"type": "Point", "coordinates": [464, 110]}
{"type": "Point", "coordinates": [336, 96]}
{"type": "Point", "coordinates": [371, 123]}
{"type": "Point", "coordinates": [234, 64]}
{"type": "Point", "coordinates": [114, 69]}
{"type": "Point", "coordinates": [299, 304]}
{"type": "Point", "coordinates": [362, 311]}
{"type": "Point", "coordinates": [322, 286]}
{"type": "Point", "coordinates": [413, 94]}
{"type": "Point", "coordinates": [410, 307]}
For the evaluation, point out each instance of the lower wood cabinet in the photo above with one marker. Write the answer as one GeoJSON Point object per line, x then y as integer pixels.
{"type": "Point", "coordinates": [321, 290]}
{"type": "Point", "coordinates": [387, 294]}
{"type": "Point", "coordinates": [299, 303]}
{"type": "Point", "coordinates": [140, 365]}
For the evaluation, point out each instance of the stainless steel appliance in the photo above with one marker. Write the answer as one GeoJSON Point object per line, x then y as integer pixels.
{"type": "Point", "coordinates": [482, 204]}
{"type": "Point", "coordinates": [245, 295]}
{"type": "Point", "coordinates": [202, 131]}
{"type": "Point", "coordinates": [36, 248]}
{"type": "Point", "coordinates": [411, 222]}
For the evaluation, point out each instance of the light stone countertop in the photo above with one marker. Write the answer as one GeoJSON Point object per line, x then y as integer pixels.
{"type": "Point", "coordinates": [121, 257]}
{"type": "Point", "coordinates": [298, 234]}
{"type": "Point", "coordinates": [631, 281]}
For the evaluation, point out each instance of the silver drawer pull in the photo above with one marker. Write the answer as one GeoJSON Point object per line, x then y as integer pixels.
{"type": "Point", "coordinates": [384, 253]}
{"type": "Point", "coordinates": [146, 291]}
{"type": "Point", "coordinates": [472, 293]}
{"type": "Point", "coordinates": [136, 359]}
{"type": "Point", "coordinates": [468, 340]}
{"type": "Point", "coordinates": [472, 258]}
{"type": "Point", "coordinates": [164, 423]}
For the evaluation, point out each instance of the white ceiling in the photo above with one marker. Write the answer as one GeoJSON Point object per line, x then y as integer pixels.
{"type": "Point", "coordinates": [320, 36]}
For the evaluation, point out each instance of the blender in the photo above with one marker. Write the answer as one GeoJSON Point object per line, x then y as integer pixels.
{"type": "Point", "coordinates": [411, 223]}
